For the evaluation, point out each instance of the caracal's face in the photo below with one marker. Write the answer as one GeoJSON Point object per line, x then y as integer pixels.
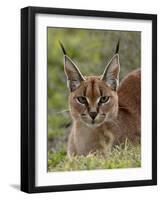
{"type": "Point", "coordinates": [93, 99]}
{"type": "Point", "coordinates": [93, 102]}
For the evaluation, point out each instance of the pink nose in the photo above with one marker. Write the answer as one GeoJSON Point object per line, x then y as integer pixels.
{"type": "Point", "coordinates": [93, 115]}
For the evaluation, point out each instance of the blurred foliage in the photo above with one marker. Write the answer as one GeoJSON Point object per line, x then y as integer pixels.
{"type": "Point", "coordinates": [90, 50]}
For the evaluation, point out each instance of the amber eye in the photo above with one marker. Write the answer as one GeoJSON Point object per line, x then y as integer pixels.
{"type": "Point", "coordinates": [104, 99]}
{"type": "Point", "coordinates": [82, 100]}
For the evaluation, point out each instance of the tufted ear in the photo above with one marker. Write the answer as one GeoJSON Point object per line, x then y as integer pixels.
{"type": "Point", "coordinates": [73, 74]}
{"type": "Point", "coordinates": [111, 72]}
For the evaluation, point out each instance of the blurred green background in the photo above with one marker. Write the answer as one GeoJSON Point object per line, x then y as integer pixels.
{"type": "Point", "coordinates": [90, 50]}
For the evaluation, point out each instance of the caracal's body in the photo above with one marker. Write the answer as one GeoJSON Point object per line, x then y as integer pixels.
{"type": "Point", "coordinates": [104, 113]}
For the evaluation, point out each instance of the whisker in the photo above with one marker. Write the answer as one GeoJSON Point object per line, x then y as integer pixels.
{"type": "Point", "coordinates": [62, 111]}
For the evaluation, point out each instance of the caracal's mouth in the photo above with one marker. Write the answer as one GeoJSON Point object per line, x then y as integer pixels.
{"type": "Point", "coordinates": [93, 123]}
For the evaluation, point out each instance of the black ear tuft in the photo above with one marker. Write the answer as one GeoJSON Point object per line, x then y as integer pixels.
{"type": "Point", "coordinates": [62, 47]}
{"type": "Point", "coordinates": [117, 47]}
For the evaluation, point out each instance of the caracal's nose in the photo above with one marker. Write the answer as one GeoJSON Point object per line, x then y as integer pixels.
{"type": "Point", "coordinates": [93, 115]}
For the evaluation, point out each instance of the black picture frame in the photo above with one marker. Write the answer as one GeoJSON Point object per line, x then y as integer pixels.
{"type": "Point", "coordinates": [28, 98]}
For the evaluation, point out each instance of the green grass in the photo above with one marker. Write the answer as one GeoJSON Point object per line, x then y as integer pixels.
{"type": "Point", "coordinates": [123, 156]}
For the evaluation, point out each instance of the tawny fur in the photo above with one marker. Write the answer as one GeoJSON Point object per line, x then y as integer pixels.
{"type": "Point", "coordinates": [116, 121]}
{"type": "Point", "coordinates": [84, 140]}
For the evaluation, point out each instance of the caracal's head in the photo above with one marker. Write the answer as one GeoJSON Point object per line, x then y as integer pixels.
{"type": "Point", "coordinates": [93, 99]}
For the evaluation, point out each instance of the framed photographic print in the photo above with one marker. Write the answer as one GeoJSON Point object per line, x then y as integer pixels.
{"type": "Point", "coordinates": [88, 99]}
